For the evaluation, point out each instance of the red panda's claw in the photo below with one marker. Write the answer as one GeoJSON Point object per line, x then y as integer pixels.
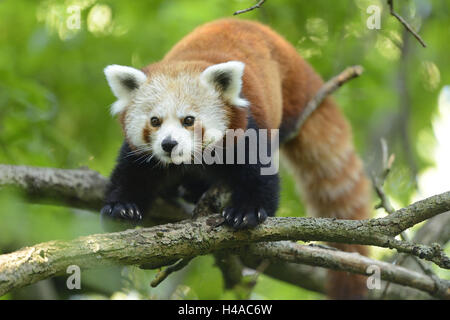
{"type": "Point", "coordinates": [244, 218]}
{"type": "Point", "coordinates": [262, 215]}
{"type": "Point", "coordinates": [121, 211]}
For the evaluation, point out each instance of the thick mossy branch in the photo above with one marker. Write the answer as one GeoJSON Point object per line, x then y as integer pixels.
{"type": "Point", "coordinates": [404, 218]}
{"type": "Point", "coordinates": [77, 188]}
{"type": "Point", "coordinates": [164, 244]}
{"type": "Point", "coordinates": [80, 188]}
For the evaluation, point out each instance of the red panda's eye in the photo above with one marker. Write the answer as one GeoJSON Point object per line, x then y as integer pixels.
{"type": "Point", "coordinates": [155, 121]}
{"type": "Point", "coordinates": [188, 121]}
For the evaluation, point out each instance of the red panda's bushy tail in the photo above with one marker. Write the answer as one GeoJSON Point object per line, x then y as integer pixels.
{"type": "Point", "coordinates": [332, 182]}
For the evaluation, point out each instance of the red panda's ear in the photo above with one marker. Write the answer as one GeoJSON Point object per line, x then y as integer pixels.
{"type": "Point", "coordinates": [123, 82]}
{"type": "Point", "coordinates": [226, 78]}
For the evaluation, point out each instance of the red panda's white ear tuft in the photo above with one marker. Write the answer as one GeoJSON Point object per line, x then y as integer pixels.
{"type": "Point", "coordinates": [123, 82]}
{"type": "Point", "coordinates": [227, 78]}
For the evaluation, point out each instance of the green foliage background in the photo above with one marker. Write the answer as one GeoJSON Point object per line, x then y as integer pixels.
{"type": "Point", "coordinates": [54, 106]}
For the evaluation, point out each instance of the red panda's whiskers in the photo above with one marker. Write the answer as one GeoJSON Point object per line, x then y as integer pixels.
{"type": "Point", "coordinates": [139, 150]}
{"type": "Point", "coordinates": [143, 151]}
{"type": "Point", "coordinates": [149, 158]}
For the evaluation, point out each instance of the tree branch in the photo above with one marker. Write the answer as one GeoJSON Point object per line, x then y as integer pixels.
{"type": "Point", "coordinates": [256, 6]}
{"type": "Point", "coordinates": [392, 225]}
{"type": "Point", "coordinates": [78, 188]}
{"type": "Point", "coordinates": [165, 244]}
{"type": "Point", "coordinates": [328, 88]}
{"type": "Point", "coordinates": [385, 203]}
{"type": "Point", "coordinates": [378, 182]}
{"type": "Point", "coordinates": [435, 230]}
{"type": "Point", "coordinates": [404, 23]}
{"type": "Point", "coordinates": [231, 267]}
{"type": "Point", "coordinates": [419, 211]}
{"type": "Point", "coordinates": [308, 277]}
{"type": "Point", "coordinates": [350, 262]}
{"type": "Point", "coordinates": [163, 274]}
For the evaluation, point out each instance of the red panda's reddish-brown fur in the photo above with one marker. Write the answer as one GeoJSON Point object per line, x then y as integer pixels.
{"type": "Point", "coordinates": [278, 83]}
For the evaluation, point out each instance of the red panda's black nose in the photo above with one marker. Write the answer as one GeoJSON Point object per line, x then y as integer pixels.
{"type": "Point", "coordinates": [168, 144]}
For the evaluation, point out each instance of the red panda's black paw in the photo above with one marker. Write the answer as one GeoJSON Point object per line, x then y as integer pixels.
{"type": "Point", "coordinates": [121, 211]}
{"type": "Point", "coordinates": [242, 218]}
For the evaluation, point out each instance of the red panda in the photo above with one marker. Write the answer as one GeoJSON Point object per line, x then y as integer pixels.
{"type": "Point", "coordinates": [233, 74]}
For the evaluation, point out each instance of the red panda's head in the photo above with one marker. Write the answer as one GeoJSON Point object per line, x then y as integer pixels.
{"type": "Point", "coordinates": [166, 109]}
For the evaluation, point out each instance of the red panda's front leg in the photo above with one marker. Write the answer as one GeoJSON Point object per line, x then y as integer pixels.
{"type": "Point", "coordinates": [131, 189]}
{"type": "Point", "coordinates": [254, 196]}
{"type": "Point", "coordinates": [255, 187]}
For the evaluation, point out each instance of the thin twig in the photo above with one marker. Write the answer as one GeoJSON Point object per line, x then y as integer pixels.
{"type": "Point", "coordinates": [163, 274]}
{"type": "Point", "coordinates": [328, 88]}
{"type": "Point", "coordinates": [404, 23]}
{"type": "Point", "coordinates": [378, 183]}
{"type": "Point", "coordinates": [265, 263]}
{"type": "Point", "coordinates": [256, 6]}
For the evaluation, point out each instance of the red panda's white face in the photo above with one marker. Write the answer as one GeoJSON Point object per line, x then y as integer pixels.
{"type": "Point", "coordinates": [173, 117]}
